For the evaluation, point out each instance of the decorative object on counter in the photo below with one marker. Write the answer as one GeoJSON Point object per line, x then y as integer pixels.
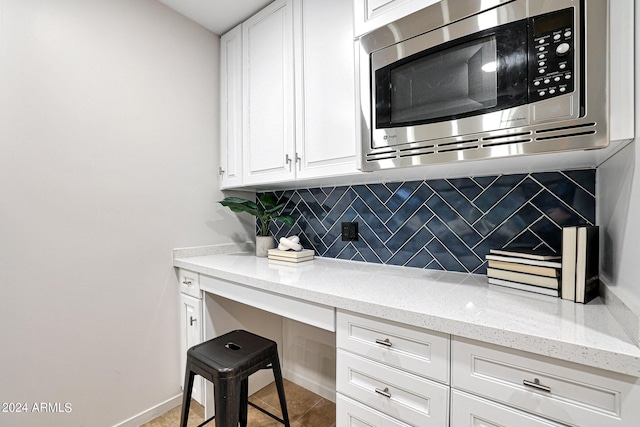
{"type": "Point", "coordinates": [290, 243]}
{"type": "Point", "coordinates": [580, 254]}
{"type": "Point", "coordinates": [270, 210]}
{"type": "Point", "coordinates": [290, 250]}
{"type": "Point", "coordinates": [527, 269]}
{"type": "Point", "coordinates": [291, 256]}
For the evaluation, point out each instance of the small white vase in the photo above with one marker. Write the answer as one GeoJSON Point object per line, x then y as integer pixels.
{"type": "Point", "coordinates": [263, 244]}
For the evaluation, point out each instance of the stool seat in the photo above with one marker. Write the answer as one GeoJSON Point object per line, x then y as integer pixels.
{"type": "Point", "coordinates": [228, 361]}
{"type": "Point", "coordinates": [232, 353]}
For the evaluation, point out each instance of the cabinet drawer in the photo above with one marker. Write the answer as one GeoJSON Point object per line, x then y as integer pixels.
{"type": "Point", "coordinates": [350, 413]}
{"type": "Point", "coordinates": [409, 398]}
{"type": "Point", "coordinates": [563, 391]}
{"type": "Point", "coordinates": [472, 411]}
{"type": "Point", "coordinates": [189, 283]}
{"type": "Point", "coordinates": [413, 349]}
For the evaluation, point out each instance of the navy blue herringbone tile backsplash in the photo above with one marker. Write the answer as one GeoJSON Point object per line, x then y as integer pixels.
{"type": "Point", "coordinates": [442, 224]}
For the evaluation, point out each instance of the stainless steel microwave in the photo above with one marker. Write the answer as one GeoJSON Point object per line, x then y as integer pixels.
{"type": "Point", "coordinates": [470, 80]}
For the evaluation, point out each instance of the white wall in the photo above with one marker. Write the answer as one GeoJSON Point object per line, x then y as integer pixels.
{"type": "Point", "coordinates": [619, 210]}
{"type": "Point", "coordinates": [108, 139]}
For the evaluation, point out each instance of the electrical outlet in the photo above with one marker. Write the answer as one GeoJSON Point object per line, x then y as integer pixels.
{"type": "Point", "coordinates": [349, 231]}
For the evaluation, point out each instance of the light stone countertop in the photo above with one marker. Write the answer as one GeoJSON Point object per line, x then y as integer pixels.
{"type": "Point", "coordinates": [454, 303]}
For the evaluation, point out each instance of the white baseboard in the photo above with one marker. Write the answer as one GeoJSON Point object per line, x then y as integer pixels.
{"type": "Point", "coordinates": [152, 412]}
{"type": "Point", "coordinates": [319, 389]}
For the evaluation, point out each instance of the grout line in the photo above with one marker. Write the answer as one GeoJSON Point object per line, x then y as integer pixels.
{"type": "Point", "coordinates": [310, 408]}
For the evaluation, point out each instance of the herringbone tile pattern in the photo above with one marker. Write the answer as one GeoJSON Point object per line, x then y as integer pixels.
{"type": "Point", "coordinates": [443, 224]}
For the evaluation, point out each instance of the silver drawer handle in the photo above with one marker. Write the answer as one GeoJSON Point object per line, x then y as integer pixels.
{"type": "Point", "coordinates": [536, 384]}
{"type": "Point", "coordinates": [187, 282]}
{"type": "Point", "coordinates": [384, 392]}
{"type": "Point", "coordinates": [384, 342]}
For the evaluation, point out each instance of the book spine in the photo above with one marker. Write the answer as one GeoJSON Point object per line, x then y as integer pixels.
{"type": "Point", "coordinates": [524, 287]}
{"type": "Point", "coordinates": [587, 261]}
{"type": "Point", "coordinates": [527, 261]}
{"type": "Point", "coordinates": [568, 275]}
{"type": "Point", "coordinates": [531, 279]}
{"type": "Point", "coordinates": [524, 268]}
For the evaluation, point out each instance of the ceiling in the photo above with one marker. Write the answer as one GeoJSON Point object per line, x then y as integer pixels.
{"type": "Point", "coordinates": [218, 16]}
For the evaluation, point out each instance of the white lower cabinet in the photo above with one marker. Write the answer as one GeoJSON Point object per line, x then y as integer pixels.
{"type": "Point", "coordinates": [190, 326]}
{"type": "Point", "coordinates": [565, 392]}
{"type": "Point", "coordinates": [389, 369]}
{"type": "Point", "coordinates": [350, 413]}
{"type": "Point", "coordinates": [392, 374]}
{"type": "Point", "coordinates": [471, 411]}
{"type": "Point", "coordinates": [401, 395]}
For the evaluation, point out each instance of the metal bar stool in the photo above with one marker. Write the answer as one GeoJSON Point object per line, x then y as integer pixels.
{"type": "Point", "coordinates": [228, 361]}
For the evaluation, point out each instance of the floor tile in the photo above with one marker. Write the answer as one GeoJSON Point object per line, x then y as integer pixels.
{"type": "Point", "coordinates": [172, 417]}
{"type": "Point", "coordinates": [306, 409]}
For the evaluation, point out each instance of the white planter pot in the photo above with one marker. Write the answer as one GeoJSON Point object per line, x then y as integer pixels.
{"type": "Point", "coordinates": [263, 244]}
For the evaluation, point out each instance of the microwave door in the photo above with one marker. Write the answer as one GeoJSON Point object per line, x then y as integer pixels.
{"type": "Point", "coordinates": [471, 84]}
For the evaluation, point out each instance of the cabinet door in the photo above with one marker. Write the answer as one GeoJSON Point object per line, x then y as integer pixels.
{"type": "Point", "coordinates": [372, 14]}
{"type": "Point", "coordinates": [411, 399]}
{"type": "Point", "coordinates": [325, 88]}
{"type": "Point", "coordinates": [472, 411]}
{"type": "Point", "coordinates": [563, 391]}
{"type": "Point", "coordinates": [268, 95]}
{"type": "Point", "coordinates": [350, 413]}
{"type": "Point", "coordinates": [191, 334]}
{"type": "Point", "coordinates": [231, 109]}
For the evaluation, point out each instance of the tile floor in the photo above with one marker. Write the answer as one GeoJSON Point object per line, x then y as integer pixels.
{"type": "Point", "coordinates": [306, 409]}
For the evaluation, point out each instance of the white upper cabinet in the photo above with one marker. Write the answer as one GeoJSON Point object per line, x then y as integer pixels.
{"type": "Point", "coordinates": [325, 88]}
{"type": "Point", "coordinates": [231, 109]}
{"type": "Point", "coordinates": [293, 65]}
{"type": "Point", "coordinates": [268, 95]}
{"type": "Point", "coordinates": [372, 14]}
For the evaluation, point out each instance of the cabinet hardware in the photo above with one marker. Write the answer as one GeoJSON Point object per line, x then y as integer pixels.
{"type": "Point", "coordinates": [221, 171]}
{"type": "Point", "coordinates": [384, 342]}
{"type": "Point", "coordinates": [287, 160]}
{"type": "Point", "coordinates": [536, 384]}
{"type": "Point", "coordinates": [187, 282]}
{"type": "Point", "coordinates": [192, 320]}
{"type": "Point", "coordinates": [384, 392]}
{"type": "Point", "coordinates": [299, 161]}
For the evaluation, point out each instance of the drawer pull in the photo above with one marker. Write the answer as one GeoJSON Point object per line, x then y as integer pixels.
{"type": "Point", "coordinates": [187, 282]}
{"type": "Point", "coordinates": [384, 392]}
{"type": "Point", "coordinates": [536, 384]}
{"type": "Point", "coordinates": [384, 342]}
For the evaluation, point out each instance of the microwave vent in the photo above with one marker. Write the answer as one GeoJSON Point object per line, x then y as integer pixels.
{"type": "Point", "coordinates": [432, 150]}
{"type": "Point", "coordinates": [566, 132]}
{"type": "Point", "coordinates": [511, 138]}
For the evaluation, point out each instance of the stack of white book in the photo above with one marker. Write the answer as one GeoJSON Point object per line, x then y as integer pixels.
{"type": "Point", "coordinates": [530, 270]}
{"type": "Point", "coordinates": [290, 256]}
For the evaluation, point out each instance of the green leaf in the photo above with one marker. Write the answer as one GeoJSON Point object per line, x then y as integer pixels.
{"type": "Point", "coordinates": [274, 209]}
{"type": "Point", "coordinates": [268, 199]}
{"type": "Point", "coordinates": [235, 200]}
{"type": "Point", "coordinates": [240, 201]}
{"type": "Point", "coordinates": [287, 219]}
{"type": "Point", "coordinates": [241, 207]}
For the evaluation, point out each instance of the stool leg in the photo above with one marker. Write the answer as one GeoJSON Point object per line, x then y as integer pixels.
{"type": "Point", "coordinates": [227, 402]}
{"type": "Point", "coordinates": [277, 374]}
{"type": "Point", "coordinates": [186, 396]}
{"type": "Point", "coordinates": [244, 402]}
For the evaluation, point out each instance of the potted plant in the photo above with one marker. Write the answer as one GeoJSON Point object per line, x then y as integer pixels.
{"type": "Point", "coordinates": [269, 211]}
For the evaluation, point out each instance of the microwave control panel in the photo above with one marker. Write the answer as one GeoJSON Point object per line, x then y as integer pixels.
{"type": "Point", "coordinates": [551, 55]}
